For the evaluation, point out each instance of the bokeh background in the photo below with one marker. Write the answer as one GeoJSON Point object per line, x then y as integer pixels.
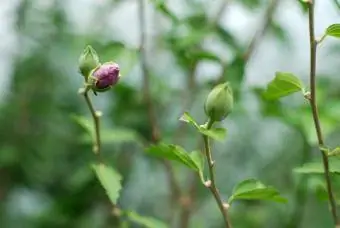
{"type": "Point", "coordinates": [45, 155]}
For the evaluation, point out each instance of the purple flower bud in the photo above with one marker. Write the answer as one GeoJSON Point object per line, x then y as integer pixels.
{"type": "Point", "coordinates": [105, 76]}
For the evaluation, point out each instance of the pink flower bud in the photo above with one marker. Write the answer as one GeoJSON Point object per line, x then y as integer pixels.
{"type": "Point", "coordinates": [105, 76]}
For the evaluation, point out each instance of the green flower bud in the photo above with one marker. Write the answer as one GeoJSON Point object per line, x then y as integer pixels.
{"type": "Point", "coordinates": [219, 103]}
{"type": "Point", "coordinates": [88, 60]}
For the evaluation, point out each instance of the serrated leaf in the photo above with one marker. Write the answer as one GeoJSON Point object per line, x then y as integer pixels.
{"type": "Point", "coordinates": [214, 133]}
{"type": "Point", "coordinates": [146, 222]}
{"type": "Point", "coordinates": [253, 189]}
{"type": "Point", "coordinates": [172, 152]}
{"type": "Point", "coordinates": [333, 30]}
{"type": "Point", "coordinates": [198, 158]}
{"type": "Point", "coordinates": [317, 167]}
{"type": "Point", "coordinates": [282, 85]}
{"type": "Point", "coordinates": [110, 180]}
{"type": "Point", "coordinates": [186, 117]}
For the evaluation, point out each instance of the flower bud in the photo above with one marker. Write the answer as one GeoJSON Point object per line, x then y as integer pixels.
{"type": "Point", "coordinates": [88, 60]}
{"type": "Point", "coordinates": [219, 103]}
{"type": "Point", "coordinates": [104, 76]}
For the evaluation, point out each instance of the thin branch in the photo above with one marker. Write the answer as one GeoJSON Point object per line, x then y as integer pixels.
{"type": "Point", "coordinates": [268, 17]}
{"type": "Point", "coordinates": [313, 104]}
{"type": "Point", "coordinates": [212, 182]}
{"type": "Point", "coordinates": [155, 131]}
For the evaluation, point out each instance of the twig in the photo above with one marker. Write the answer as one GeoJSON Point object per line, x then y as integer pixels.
{"type": "Point", "coordinates": [211, 184]}
{"type": "Point", "coordinates": [313, 104]}
{"type": "Point", "coordinates": [155, 131]}
{"type": "Point", "coordinates": [268, 17]}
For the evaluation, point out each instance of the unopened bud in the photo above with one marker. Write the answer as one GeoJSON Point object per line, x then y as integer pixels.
{"type": "Point", "coordinates": [219, 103]}
{"type": "Point", "coordinates": [88, 60]}
{"type": "Point", "coordinates": [104, 77]}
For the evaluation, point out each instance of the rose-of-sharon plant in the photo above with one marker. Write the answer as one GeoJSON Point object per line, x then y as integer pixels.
{"type": "Point", "coordinates": [219, 103]}
{"type": "Point", "coordinates": [104, 76]}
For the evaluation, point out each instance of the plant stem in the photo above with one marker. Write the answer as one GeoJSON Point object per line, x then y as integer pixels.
{"type": "Point", "coordinates": [152, 117]}
{"type": "Point", "coordinates": [95, 116]}
{"type": "Point", "coordinates": [212, 183]}
{"type": "Point", "coordinates": [313, 104]}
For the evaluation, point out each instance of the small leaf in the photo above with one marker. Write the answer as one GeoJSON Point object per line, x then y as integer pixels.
{"type": "Point", "coordinates": [146, 222]}
{"type": "Point", "coordinates": [214, 133]}
{"type": "Point", "coordinates": [252, 189]}
{"type": "Point", "coordinates": [188, 119]}
{"type": "Point", "coordinates": [317, 167]}
{"type": "Point", "coordinates": [333, 30]}
{"type": "Point", "coordinates": [84, 123]}
{"type": "Point", "coordinates": [198, 159]}
{"type": "Point", "coordinates": [172, 152]}
{"type": "Point", "coordinates": [283, 84]}
{"type": "Point", "coordinates": [109, 179]}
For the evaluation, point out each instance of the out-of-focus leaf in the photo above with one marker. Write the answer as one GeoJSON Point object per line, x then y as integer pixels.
{"type": "Point", "coordinates": [116, 136]}
{"type": "Point", "coordinates": [251, 4]}
{"type": "Point", "coordinates": [214, 133]}
{"type": "Point", "coordinates": [283, 84]}
{"type": "Point", "coordinates": [161, 7]}
{"type": "Point", "coordinates": [278, 31]}
{"type": "Point", "coordinates": [205, 55]}
{"type": "Point", "coordinates": [84, 122]}
{"type": "Point", "coordinates": [333, 30]}
{"type": "Point", "coordinates": [303, 5]}
{"type": "Point", "coordinates": [144, 221]}
{"type": "Point", "coordinates": [109, 179]}
{"type": "Point", "coordinates": [228, 38]}
{"type": "Point", "coordinates": [253, 189]}
{"type": "Point", "coordinates": [318, 168]}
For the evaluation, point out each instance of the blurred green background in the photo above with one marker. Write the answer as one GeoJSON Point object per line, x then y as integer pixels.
{"type": "Point", "coordinates": [45, 155]}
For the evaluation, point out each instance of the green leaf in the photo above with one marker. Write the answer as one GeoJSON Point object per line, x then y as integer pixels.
{"type": "Point", "coordinates": [334, 152]}
{"type": "Point", "coordinates": [333, 30]}
{"type": "Point", "coordinates": [146, 222]}
{"type": "Point", "coordinates": [84, 123]}
{"type": "Point", "coordinates": [198, 158]}
{"type": "Point", "coordinates": [109, 179]}
{"type": "Point", "coordinates": [172, 152]}
{"type": "Point", "coordinates": [317, 167]}
{"type": "Point", "coordinates": [186, 117]}
{"type": "Point", "coordinates": [283, 84]}
{"type": "Point", "coordinates": [161, 6]}
{"type": "Point", "coordinates": [116, 136]}
{"type": "Point", "coordinates": [205, 55]}
{"type": "Point", "coordinates": [252, 189]}
{"type": "Point", "coordinates": [214, 133]}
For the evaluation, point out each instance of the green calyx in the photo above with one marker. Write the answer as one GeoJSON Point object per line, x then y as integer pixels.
{"type": "Point", "coordinates": [220, 102]}
{"type": "Point", "coordinates": [88, 61]}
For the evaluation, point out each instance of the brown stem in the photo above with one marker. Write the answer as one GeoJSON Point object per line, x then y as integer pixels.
{"type": "Point", "coordinates": [268, 17]}
{"type": "Point", "coordinates": [155, 131]}
{"type": "Point", "coordinates": [313, 104]}
{"type": "Point", "coordinates": [211, 184]}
